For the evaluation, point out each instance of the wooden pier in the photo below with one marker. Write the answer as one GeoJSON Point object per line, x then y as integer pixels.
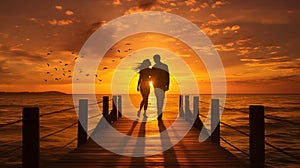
{"type": "Point", "coordinates": [189, 152]}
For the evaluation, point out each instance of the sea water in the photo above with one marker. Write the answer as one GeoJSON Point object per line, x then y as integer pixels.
{"type": "Point", "coordinates": [283, 133]}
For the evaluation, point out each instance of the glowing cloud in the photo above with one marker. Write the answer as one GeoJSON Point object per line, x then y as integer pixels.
{"type": "Point", "coordinates": [58, 7]}
{"type": "Point", "coordinates": [190, 2]}
{"type": "Point", "coordinates": [62, 22]}
{"type": "Point", "coordinates": [117, 2]}
{"type": "Point", "coordinates": [69, 12]}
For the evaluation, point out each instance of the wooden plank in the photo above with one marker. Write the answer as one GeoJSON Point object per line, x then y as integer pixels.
{"type": "Point", "coordinates": [187, 153]}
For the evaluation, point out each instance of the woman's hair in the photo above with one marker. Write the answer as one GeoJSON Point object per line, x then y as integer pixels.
{"type": "Point", "coordinates": [145, 64]}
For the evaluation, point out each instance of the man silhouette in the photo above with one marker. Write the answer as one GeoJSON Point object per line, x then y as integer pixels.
{"type": "Point", "coordinates": [161, 80]}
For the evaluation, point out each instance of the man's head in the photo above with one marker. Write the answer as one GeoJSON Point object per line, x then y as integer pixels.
{"type": "Point", "coordinates": [156, 58]}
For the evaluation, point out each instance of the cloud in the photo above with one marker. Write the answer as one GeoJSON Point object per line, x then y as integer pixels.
{"type": "Point", "coordinates": [58, 7]}
{"type": "Point", "coordinates": [6, 75]}
{"type": "Point", "coordinates": [243, 41]}
{"type": "Point", "coordinates": [117, 2]}
{"type": "Point", "coordinates": [3, 67]}
{"type": "Point", "coordinates": [216, 22]}
{"type": "Point", "coordinates": [4, 35]}
{"type": "Point", "coordinates": [276, 80]}
{"type": "Point", "coordinates": [24, 55]}
{"type": "Point", "coordinates": [195, 9]}
{"type": "Point", "coordinates": [143, 5]}
{"type": "Point", "coordinates": [253, 14]}
{"type": "Point", "coordinates": [213, 15]}
{"type": "Point", "coordinates": [204, 5]}
{"type": "Point", "coordinates": [288, 67]}
{"type": "Point", "coordinates": [210, 31]}
{"type": "Point", "coordinates": [244, 52]}
{"type": "Point", "coordinates": [217, 4]}
{"type": "Point", "coordinates": [232, 28]}
{"type": "Point", "coordinates": [267, 62]}
{"type": "Point", "coordinates": [14, 62]}
{"type": "Point", "coordinates": [285, 78]}
{"type": "Point", "coordinates": [227, 47]}
{"type": "Point", "coordinates": [291, 12]}
{"type": "Point", "coordinates": [173, 4]}
{"type": "Point", "coordinates": [69, 12]}
{"type": "Point", "coordinates": [62, 22]}
{"type": "Point", "coordinates": [33, 19]}
{"type": "Point", "coordinates": [94, 27]}
{"type": "Point", "coordinates": [146, 5]}
{"type": "Point", "coordinates": [190, 2]}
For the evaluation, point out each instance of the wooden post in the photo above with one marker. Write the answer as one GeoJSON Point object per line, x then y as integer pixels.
{"type": "Point", "coordinates": [119, 106]}
{"type": "Point", "coordinates": [82, 122]}
{"type": "Point", "coordinates": [257, 136]}
{"type": "Point", "coordinates": [215, 121]}
{"type": "Point", "coordinates": [187, 107]}
{"type": "Point", "coordinates": [114, 112]}
{"type": "Point", "coordinates": [181, 112]}
{"type": "Point", "coordinates": [196, 106]}
{"type": "Point", "coordinates": [105, 108]}
{"type": "Point", "coordinates": [198, 123]}
{"type": "Point", "coordinates": [31, 138]}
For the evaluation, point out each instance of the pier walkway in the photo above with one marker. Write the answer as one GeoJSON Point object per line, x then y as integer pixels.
{"type": "Point", "coordinates": [187, 153]}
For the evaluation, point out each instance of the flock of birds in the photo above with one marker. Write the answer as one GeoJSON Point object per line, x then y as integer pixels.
{"type": "Point", "coordinates": [61, 70]}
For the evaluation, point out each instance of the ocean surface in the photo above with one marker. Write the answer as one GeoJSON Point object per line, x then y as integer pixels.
{"type": "Point", "coordinates": [282, 124]}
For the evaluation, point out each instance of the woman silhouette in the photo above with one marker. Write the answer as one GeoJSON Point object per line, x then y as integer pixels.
{"type": "Point", "coordinates": [143, 85]}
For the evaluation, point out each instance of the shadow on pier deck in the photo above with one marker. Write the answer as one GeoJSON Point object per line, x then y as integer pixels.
{"type": "Point", "coordinates": [187, 153]}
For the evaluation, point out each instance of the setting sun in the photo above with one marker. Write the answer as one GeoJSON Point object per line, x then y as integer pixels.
{"type": "Point", "coordinates": [151, 84]}
{"type": "Point", "coordinates": [148, 82]}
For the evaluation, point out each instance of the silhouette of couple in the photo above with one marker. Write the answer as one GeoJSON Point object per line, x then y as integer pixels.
{"type": "Point", "coordinates": [159, 75]}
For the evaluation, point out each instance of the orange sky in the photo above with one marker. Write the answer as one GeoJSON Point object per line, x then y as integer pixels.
{"type": "Point", "coordinates": [256, 40]}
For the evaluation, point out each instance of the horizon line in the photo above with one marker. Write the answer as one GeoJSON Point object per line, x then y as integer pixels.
{"type": "Point", "coordinates": [60, 92]}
